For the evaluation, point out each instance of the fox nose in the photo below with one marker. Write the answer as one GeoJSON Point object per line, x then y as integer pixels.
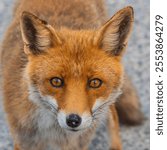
{"type": "Point", "coordinates": [73, 120]}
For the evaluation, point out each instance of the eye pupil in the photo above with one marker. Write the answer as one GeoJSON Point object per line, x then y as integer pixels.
{"type": "Point", "coordinates": [95, 83]}
{"type": "Point", "coordinates": [57, 82]}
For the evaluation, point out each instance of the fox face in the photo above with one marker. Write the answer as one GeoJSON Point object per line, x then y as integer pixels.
{"type": "Point", "coordinates": [76, 75]}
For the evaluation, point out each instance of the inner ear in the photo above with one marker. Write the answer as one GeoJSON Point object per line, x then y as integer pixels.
{"type": "Point", "coordinates": [113, 35]}
{"type": "Point", "coordinates": [30, 33]}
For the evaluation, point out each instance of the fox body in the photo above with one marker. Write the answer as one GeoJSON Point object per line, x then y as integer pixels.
{"type": "Point", "coordinates": [61, 78]}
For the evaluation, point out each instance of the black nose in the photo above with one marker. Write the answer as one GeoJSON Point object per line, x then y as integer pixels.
{"type": "Point", "coordinates": [73, 120]}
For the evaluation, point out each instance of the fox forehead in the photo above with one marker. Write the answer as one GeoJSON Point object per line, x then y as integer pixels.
{"type": "Point", "coordinates": [76, 56]}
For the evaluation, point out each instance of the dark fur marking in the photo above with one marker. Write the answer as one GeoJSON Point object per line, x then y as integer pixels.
{"type": "Point", "coordinates": [123, 30]}
{"type": "Point", "coordinates": [31, 32]}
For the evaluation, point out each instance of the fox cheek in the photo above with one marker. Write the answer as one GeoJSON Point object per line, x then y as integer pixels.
{"type": "Point", "coordinates": [97, 104]}
{"type": "Point", "coordinates": [46, 101]}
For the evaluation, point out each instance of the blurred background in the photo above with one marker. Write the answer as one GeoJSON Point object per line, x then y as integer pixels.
{"type": "Point", "coordinates": [137, 66]}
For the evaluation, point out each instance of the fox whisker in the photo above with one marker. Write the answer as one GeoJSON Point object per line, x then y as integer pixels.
{"type": "Point", "coordinates": [107, 103]}
{"type": "Point", "coordinates": [101, 111]}
{"type": "Point", "coordinates": [50, 106]}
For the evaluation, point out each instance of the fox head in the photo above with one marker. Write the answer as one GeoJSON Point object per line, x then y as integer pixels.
{"type": "Point", "coordinates": [75, 74]}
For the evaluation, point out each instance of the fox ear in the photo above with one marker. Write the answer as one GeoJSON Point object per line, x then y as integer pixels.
{"type": "Point", "coordinates": [113, 35]}
{"type": "Point", "coordinates": [37, 35]}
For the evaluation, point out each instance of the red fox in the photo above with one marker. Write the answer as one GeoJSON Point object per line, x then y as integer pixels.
{"type": "Point", "coordinates": [61, 78]}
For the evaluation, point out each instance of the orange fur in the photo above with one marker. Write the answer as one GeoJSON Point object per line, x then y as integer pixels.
{"type": "Point", "coordinates": [75, 47]}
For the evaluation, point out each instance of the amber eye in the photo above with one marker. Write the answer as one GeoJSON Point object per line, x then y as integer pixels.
{"type": "Point", "coordinates": [95, 83]}
{"type": "Point", "coordinates": [57, 82]}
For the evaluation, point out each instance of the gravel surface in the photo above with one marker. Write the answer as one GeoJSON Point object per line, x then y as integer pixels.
{"type": "Point", "coordinates": [137, 66]}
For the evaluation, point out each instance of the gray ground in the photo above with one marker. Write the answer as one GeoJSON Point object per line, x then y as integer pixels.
{"type": "Point", "coordinates": [137, 66]}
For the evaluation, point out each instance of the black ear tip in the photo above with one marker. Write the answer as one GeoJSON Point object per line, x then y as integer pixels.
{"type": "Point", "coordinates": [129, 7]}
{"type": "Point", "coordinates": [25, 19]}
{"type": "Point", "coordinates": [27, 15]}
{"type": "Point", "coordinates": [129, 10]}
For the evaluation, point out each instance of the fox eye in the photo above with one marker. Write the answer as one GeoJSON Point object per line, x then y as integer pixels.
{"type": "Point", "coordinates": [94, 83]}
{"type": "Point", "coordinates": [57, 82]}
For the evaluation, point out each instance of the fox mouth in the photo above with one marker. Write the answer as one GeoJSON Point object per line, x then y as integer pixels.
{"type": "Point", "coordinates": [74, 130]}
